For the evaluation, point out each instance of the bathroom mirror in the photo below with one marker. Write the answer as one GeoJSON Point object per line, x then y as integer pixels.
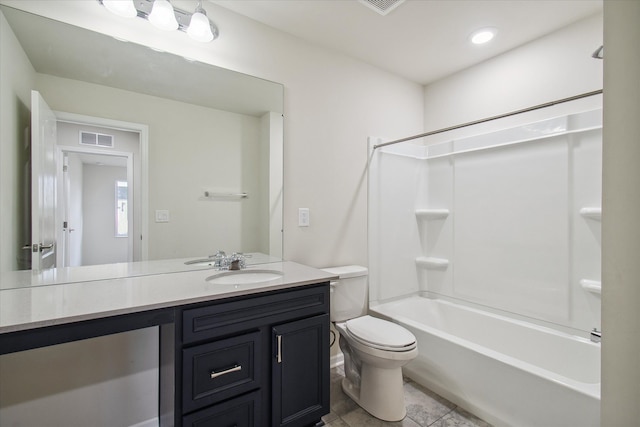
{"type": "Point", "coordinates": [205, 164]}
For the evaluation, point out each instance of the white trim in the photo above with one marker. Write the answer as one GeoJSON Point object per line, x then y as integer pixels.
{"type": "Point", "coordinates": [152, 422]}
{"type": "Point", "coordinates": [143, 130]}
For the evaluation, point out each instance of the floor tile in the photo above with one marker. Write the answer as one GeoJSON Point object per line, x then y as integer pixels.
{"type": "Point", "coordinates": [424, 409]}
{"type": "Point", "coordinates": [424, 406]}
{"type": "Point", "coordinates": [460, 418]}
{"type": "Point", "coordinates": [360, 417]}
{"type": "Point", "coordinates": [340, 403]}
{"type": "Point", "coordinates": [336, 423]}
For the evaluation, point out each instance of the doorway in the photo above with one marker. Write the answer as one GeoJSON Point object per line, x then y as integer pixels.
{"type": "Point", "coordinates": [100, 184]}
{"type": "Point", "coordinates": [96, 207]}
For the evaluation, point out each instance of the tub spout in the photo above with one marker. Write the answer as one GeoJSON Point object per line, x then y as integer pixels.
{"type": "Point", "coordinates": [596, 335]}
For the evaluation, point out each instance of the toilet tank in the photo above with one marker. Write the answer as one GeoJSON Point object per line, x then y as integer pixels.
{"type": "Point", "coordinates": [348, 293]}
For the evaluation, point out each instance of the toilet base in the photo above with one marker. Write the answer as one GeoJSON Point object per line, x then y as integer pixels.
{"type": "Point", "coordinates": [381, 393]}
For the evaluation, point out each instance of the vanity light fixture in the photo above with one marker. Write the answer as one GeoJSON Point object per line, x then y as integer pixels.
{"type": "Point", "coordinates": [166, 17]}
{"type": "Point", "coordinates": [162, 16]}
{"type": "Point", "coordinates": [124, 8]}
{"type": "Point", "coordinates": [483, 35]}
{"type": "Point", "coordinates": [199, 28]}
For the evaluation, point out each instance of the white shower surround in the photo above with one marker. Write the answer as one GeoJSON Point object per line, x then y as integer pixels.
{"type": "Point", "coordinates": [506, 222]}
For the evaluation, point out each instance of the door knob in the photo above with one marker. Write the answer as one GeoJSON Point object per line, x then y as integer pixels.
{"type": "Point", "coordinates": [45, 247]}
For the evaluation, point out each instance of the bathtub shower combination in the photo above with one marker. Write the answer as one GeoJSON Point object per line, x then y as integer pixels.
{"type": "Point", "coordinates": [486, 246]}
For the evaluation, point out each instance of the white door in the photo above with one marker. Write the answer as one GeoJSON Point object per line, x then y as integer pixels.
{"type": "Point", "coordinates": [43, 184]}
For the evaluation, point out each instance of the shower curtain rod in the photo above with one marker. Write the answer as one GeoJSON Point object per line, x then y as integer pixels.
{"type": "Point", "coordinates": [488, 119]}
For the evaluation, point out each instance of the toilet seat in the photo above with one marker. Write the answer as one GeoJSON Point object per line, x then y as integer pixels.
{"type": "Point", "coordinates": [380, 334]}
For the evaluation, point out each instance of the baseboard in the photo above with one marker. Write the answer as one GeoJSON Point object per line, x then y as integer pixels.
{"type": "Point", "coordinates": [152, 422]}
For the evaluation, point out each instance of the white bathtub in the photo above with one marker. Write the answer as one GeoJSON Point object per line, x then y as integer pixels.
{"type": "Point", "coordinates": [507, 372]}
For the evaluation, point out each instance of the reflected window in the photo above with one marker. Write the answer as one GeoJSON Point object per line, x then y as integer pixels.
{"type": "Point", "coordinates": [122, 209]}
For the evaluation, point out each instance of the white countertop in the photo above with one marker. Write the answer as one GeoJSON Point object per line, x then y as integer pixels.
{"type": "Point", "coordinates": [43, 304]}
{"type": "Point", "coordinates": [29, 278]}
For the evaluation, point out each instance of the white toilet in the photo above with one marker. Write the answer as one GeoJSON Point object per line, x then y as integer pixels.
{"type": "Point", "coordinates": [374, 349]}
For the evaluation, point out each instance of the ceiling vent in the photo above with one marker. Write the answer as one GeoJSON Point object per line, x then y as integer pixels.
{"type": "Point", "coordinates": [96, 139]}
{"type": "Point", "coordinates": [383, 7]}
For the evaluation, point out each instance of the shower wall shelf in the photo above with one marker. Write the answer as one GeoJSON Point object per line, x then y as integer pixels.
{"type": "Point", "coordinates": [592, 286]}
{"type": "Point", "coordinates": [432, 213]}
{"type": "Point", "coordinates": [432, 263]}
{"type": "Point", "coordinates": [593, 213]}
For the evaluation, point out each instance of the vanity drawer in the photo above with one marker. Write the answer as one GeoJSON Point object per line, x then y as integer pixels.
{"type": "Point", "coordinates": [226, 318]}
{"type": "Point", "coordinates": [220, 370]}
{"type": "Point", "coordinates": [242, 411]}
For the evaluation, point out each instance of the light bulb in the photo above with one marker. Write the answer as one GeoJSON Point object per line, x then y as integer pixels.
{"type": "Point", "coordinates": [199, 27]}
{"type": "Point", "coordinates": [162, 15]}
{"type": "Point", "coordinates": [483, 36]}
{"type": "Point", "coordinates": [124, 8]}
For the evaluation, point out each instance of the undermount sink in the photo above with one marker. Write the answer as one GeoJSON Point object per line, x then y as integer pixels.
{"type": "Point", "coordinates": [199, 262]}
{"type": "Point", "coordinates": [240, 277]}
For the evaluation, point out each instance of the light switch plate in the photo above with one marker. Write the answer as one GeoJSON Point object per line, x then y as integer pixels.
{"type": "Point", "coordinates": [303, 217]}
{"type": "Point", "coordinates": [162, 216]}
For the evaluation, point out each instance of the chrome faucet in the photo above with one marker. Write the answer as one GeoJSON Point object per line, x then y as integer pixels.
{"type": "Point", "coordinates": [218, 258]}
{"type": "Point", "coordinates": [235, 261]}
{"type": "Point", "coordinates": [596, 335]}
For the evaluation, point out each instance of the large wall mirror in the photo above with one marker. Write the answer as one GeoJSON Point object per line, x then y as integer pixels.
{"type": "Point", "coordinates": [158, 157]}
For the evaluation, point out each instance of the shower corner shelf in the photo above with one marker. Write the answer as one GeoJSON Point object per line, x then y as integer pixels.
{"type": "Point", "coordinates": [591, 212]}
{"type": "Point", "coordinates": [432, 213]}
{"type": "Point", "coordinates": [592, 286]}
{"type": "Point", "coordinates": [432, 263]}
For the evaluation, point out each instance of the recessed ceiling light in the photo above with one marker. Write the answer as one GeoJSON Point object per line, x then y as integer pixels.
{"type": "Point", "coordinates": [483, 35]}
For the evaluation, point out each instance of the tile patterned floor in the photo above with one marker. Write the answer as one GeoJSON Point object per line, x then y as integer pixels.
{"type": "Point", "coordinates": [424, 409]}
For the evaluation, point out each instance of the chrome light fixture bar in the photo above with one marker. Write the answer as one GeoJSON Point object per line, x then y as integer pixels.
{"type": "Point", "coordinates": [144, 8]}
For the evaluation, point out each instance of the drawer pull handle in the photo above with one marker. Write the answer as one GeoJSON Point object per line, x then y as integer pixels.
{"type": "Point", "coordinates": [226, 371]}
{"type": "Point", "coordinates": [279, 355]}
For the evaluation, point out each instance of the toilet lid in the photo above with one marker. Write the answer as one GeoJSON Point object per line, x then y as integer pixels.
{"type": "Point", "coordinates": [380, 333]}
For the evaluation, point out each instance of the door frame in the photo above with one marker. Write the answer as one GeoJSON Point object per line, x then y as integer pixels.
{"type": "Point", "coordinates": [143, 212]}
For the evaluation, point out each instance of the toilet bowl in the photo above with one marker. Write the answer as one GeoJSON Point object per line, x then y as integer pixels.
{"type": "Point", "coordinates": [375, 380]}
{"type": "Point", "coordinates": [374, 349]}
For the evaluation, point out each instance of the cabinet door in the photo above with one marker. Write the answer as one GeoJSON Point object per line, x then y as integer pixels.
{"type": "Point", "coordinates": [300, 372]}
{"type": "Point", "coordinates": [242, 411]}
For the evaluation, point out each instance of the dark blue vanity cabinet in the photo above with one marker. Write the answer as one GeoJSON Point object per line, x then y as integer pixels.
{"type": "Point", "coordinates": [257, 360]}
{"type": "Point", "coordinates": [300, 370]}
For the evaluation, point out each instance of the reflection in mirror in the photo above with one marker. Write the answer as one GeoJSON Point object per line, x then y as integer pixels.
{"type": "Point", "coordinates": [199, 147]}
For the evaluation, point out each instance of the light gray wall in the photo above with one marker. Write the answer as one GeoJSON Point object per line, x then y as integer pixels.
{"type": "Point", "coordinates": [621, 204]}
{"type": "Point", "coordinates": [556, 66]}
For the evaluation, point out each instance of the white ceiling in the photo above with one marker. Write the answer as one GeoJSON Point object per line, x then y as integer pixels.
{"type": "Point", "coordinates": [421, 40]}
